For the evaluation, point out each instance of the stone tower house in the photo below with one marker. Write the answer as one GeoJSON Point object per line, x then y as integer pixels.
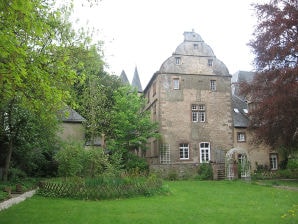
{"type": "Point", "coordinates": [190, 98]}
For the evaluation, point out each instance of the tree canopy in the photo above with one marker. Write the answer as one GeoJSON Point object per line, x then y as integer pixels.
{"type": "Point", "coordinates": [36, 73]}
{"type": "Point", "coordinates": [274, 90]}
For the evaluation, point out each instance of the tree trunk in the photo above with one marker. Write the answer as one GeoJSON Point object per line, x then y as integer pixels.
{"type": "Point", "coordinates": [7, 161]}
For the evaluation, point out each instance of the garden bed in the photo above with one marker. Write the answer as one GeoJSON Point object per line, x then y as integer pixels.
{"type": "Point", "coordinates": [99, 188]}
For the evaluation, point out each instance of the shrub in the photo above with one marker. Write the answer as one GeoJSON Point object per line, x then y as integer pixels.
{"type": "Point", "coordinates": [205, 172]}
{"type": "Point", "coordinates": [292, 164]}
{"type": "Point", "coordinates": [70, 160]}
{"type": "Point", "coordinates": [74, 160]}
{"type": "Point", "coordinates": [135, 163]}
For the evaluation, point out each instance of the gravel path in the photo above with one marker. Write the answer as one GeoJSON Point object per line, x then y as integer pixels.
{"type": "Point", "coordinates": [15, 200]}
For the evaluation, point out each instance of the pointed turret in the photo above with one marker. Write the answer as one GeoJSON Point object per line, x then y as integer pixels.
{"type": "Point", "coordinates": [124, 78]}
{"type": "Point", "coordinates": [136, 81]}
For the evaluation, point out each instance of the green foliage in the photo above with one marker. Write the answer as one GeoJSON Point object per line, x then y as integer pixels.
{"type": "Point", "coordinates": [37, 45]}
{"type": "Point", "coordinates": [292, 164]}
{"type": "Point", "coordinates": [205, 171]}
{"type": "Point", "coordinates": [70, 160]}
{"type": "Point", "coordinates": [96, 162]}
{"type": "Point", "coordinates": [74, 160]}
{"type": "Point", "coordinates": [131, 126]}
{"type": "Point", "coordinates": [100, 188]}
{"type": "Point", "coordinates": [135, 164]}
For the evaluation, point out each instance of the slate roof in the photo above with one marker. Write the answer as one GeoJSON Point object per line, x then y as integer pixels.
{"type": "Point", "coordinates": [123, 77]}
{"type": "Point", "coordinates": [194, 57]}
{"type": "Point", "coordinates": [239, 113]}
{"type": "Point", "coordinates": [136, 81]}
{"type": "Point", "coordinates": [70, 115]}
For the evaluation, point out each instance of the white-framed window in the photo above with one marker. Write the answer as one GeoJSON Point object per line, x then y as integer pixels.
{"type": "Point", "coordinates": [194, 113]}
{"type": "Point", "coordinates": [198, 113]}
{"type": "Point", "coordinates": [273, 161]}
{"type": "Point", "coordinates": [241, 137]}
{"type": "Point", "coordinates": [210, 62]}
{"type": "Point", "coordinates": [202, 113]}
{"type": "Point", "coordinates": [213, 85]}
{"type": "Point", "coordinates": [176, 83]}
{"type": "Point", "coordinates": [178, 60]}
{"type": "Point", "coordinates": [204, 152]}
{"type": "Point", "coordinates": [184, 151]}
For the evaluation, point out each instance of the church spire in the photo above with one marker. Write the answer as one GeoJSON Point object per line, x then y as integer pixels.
{"type": "Point", "coordinates": [124, 78]}
{"type": "Point", "coordinates": [136, 81]}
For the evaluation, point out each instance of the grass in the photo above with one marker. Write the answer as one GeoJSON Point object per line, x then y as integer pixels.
{"type": "Point", "coordinates": [188, 202]}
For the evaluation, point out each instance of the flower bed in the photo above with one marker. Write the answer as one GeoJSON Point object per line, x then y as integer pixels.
{"type": "Point", "coordinates": [99, 188]}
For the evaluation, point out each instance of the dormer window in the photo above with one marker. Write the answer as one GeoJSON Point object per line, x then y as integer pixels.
{"type": "Point", "coordinates": [178, 60]}
{"type": "Point", "coordinates": [210, 62]}
{"type": "Point", "coordinates": [236, 110]}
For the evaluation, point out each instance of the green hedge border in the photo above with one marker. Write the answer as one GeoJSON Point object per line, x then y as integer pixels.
{"type": "Point", "coordinates": [99, 189]}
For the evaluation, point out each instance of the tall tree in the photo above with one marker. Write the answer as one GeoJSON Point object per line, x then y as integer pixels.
{"type": "Point", "coordinates": [35, 68]}
{"type": "Point", "coordinates": [274, 89]}
{"type": "Point", "coordinates": [131, 125]}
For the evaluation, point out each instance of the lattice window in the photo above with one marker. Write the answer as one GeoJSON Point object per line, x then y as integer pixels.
{"type": "Point", "coordinates": [165, 154]}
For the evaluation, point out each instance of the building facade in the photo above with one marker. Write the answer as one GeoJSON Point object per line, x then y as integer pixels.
{"type": "Point", "coordinates": [190, 98]}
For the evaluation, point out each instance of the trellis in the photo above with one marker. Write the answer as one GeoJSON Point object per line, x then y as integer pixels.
{"type": "Point", "coordinates": [81, 191]}
{"type": "Point", "coordinates": [165, 156]}
{"type": "Point", "coordinates": [231, 164]}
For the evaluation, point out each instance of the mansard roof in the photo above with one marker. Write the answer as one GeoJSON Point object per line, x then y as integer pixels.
{"type": "Point", "coordinates": [136, 81]}
{"type": "Point", "coordinates": [194, 55]}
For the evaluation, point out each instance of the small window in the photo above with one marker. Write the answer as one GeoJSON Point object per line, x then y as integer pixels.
{"type": "Point", "coordinates": [154, 111]}
{"type": "Point", "coordinates": [210, 62]}
{"type": "Point", "coordinates": [184, 150]}
{"type": "Point", "coordinates": [196, 46]}
{"type": "Point", "coordinates": [241, 137]}
{"type": "Point", "coordinates": [273, 161]}
{"type": "Point", "coordinates": [178, 60]}
{"type": "Point", "coordinates": [176, 83]}
{"type": "Point", "coordinates": [236, 110]}
{"type": "Point", "coordinates": [213, 85]}
{"type": "Point", "coordinates": [204, 152]}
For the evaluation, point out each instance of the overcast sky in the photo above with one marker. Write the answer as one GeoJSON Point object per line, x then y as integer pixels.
{"type": "Point", "coordinates": [144, 33]}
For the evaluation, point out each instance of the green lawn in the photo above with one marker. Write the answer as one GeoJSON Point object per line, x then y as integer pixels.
{"type": "Point", "coordinates": [188, 202]}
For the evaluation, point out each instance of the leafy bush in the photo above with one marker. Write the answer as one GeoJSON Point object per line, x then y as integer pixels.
{"type": "Point", "coordinates": [205, 172]}
{"type": "Point", "coordinates": [70, 160]}
{"type": "Point", "coordinates": [73, 160]}
{"type": "Point", "coordinates": [292, 164]}
{"type": "Point", "coordinates": [135, 163]}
